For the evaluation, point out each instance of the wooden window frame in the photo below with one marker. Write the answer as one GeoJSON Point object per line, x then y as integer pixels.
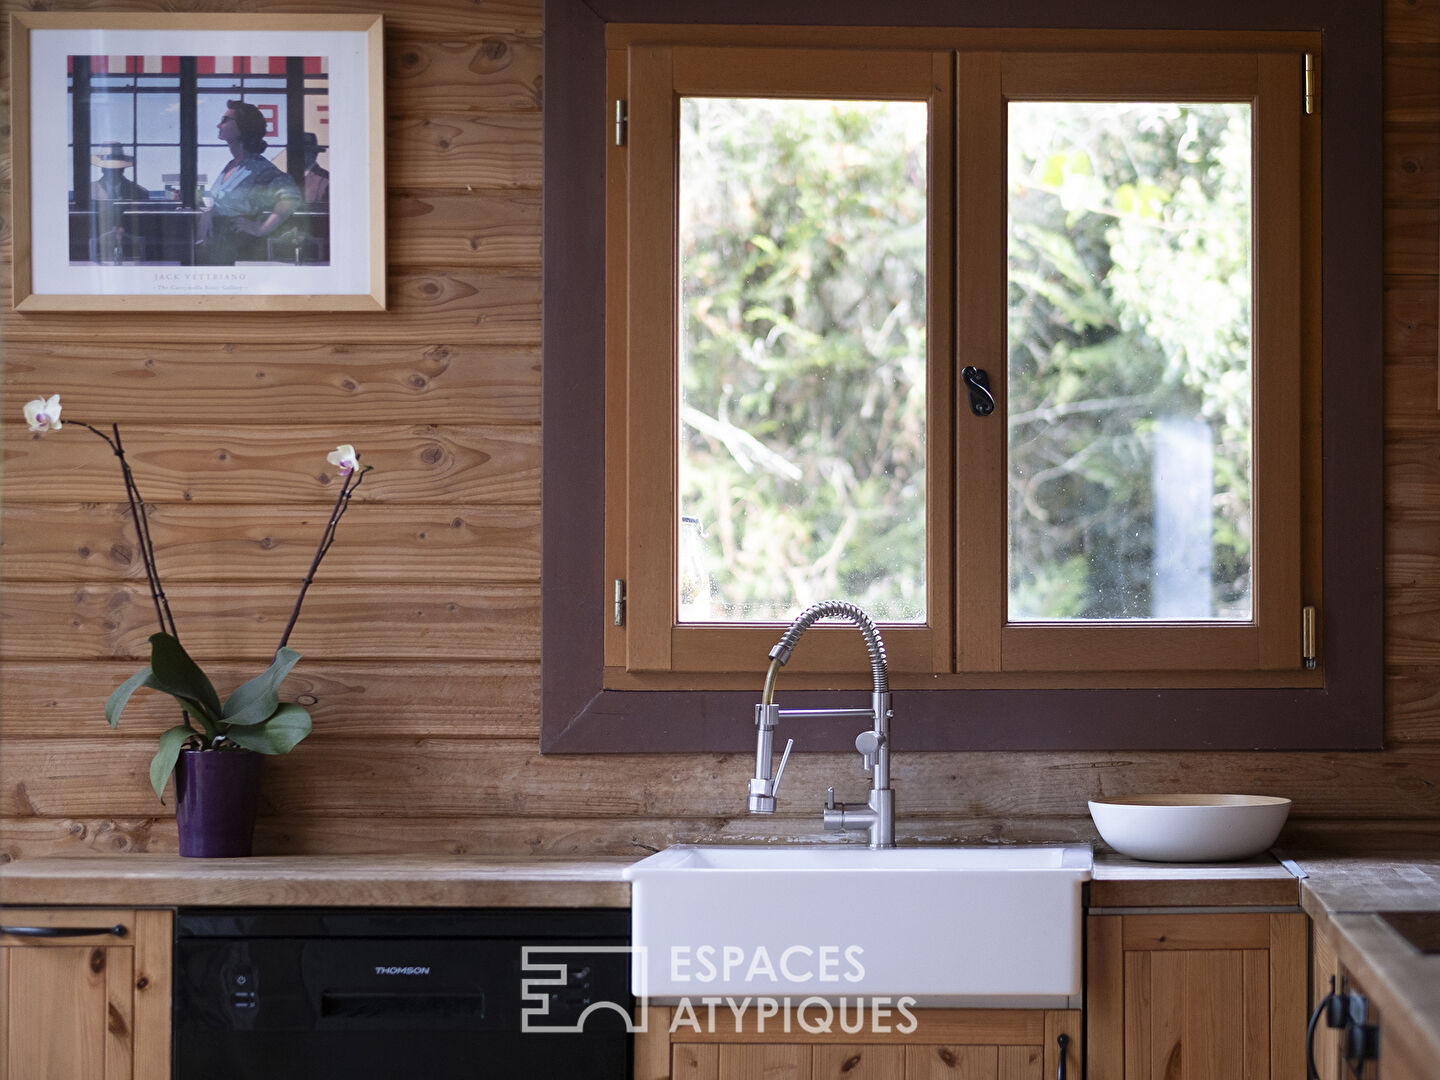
{"type": "Point", "coordinates": [1340, 708]}
{"type": "Point", "coordinates": [967, 91]}
{"type": "Point", "coordinates": [641, 533]}
{"type": "Point", "coordinates": [1285, 208]}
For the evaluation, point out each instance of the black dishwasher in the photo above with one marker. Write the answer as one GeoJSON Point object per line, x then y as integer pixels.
{"type": "Point", "coordinates": [356, 993]}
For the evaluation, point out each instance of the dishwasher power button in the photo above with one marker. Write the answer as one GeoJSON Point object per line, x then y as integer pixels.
{"type": "Point", "coordinates": [242, 986]}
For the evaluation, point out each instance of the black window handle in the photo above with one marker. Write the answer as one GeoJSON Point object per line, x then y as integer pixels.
{"type": "Point", "coordinates": [63, 931]}
{"type": "Point", "coordinates": [982, 402]}
{"type": "Point", "coordinates": [1064, 1041]}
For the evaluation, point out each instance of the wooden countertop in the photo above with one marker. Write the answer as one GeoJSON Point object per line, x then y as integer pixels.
{"type": "Point", "coordinates": [517, 881]}
{"type": "Point", "coordinates": [1121, 882]}
{"type": "Point", "coordinates": [1343, 893]}
{"type": "Point", "coordinates": [317, 880]}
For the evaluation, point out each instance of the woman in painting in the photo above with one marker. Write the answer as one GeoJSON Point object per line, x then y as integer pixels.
{"type": "Point", "coordinates": [252, 198]}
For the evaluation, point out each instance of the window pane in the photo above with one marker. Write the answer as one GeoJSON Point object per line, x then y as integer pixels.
{"type": "Point", "coordinates": [802, 357]}
{"type": "Point", "coordinates": [1129, 361]}
{"type": "Point", "coordinates": [112, 117]}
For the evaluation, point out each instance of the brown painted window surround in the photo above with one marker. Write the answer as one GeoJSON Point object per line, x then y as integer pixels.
{"type": "Point", "coordinates": [583, 707]}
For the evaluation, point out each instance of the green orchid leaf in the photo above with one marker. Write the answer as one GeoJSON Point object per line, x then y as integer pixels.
{"type": "Point", "coordinates": [120, 697]}
{"type": "Point", "coordinates": [277, 734]}
{"type": "Point", "coordinates": [163, 763]}
{"type": "Point", "coordinates": [198, 711]}
{"type": "Point", "coordinates": [145, 677]}
{"type": "Point", "coordinates": [258, 699]}
{"type": "Point", "coordinates": [180, 677]}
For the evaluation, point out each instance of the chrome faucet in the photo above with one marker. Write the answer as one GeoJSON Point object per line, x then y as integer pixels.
{"type": "Point", "coordinates": [877, 814]}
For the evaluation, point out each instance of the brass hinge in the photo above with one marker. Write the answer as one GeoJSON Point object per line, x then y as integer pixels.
{"type": "Point", "coordinates": [1309, 83]}
{"type": "Point", "coordinates": [1308, 652]}
{"type": "Point", "coordinates": [619, 601]}
{"type": "Point", "coordinates": [622, 120]}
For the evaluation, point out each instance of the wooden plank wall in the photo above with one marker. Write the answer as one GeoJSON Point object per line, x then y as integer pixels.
{"type": "Point", "coordinates": [422, 633]}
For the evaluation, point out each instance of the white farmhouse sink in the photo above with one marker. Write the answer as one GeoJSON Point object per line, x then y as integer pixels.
{"type": "Point", "coordinates": [957, 926]}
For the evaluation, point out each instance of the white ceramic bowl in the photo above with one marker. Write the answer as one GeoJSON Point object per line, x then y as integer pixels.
{"type": "Point", "coordinates": [1190, 828]}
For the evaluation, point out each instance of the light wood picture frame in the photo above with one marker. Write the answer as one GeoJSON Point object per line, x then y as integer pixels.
{"type": "Point", "coordinates": [129, 196]}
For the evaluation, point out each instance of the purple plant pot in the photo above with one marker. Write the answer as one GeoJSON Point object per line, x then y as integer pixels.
{"type": "Point", "coordinates": [217, 793]}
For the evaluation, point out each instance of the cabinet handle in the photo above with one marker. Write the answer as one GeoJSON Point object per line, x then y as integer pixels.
{"type": "Point", "coordinates": [1311, 1073]}
{"type": "Point", "coordinates": [1064, 1041]}
{"type": "Point", "coordinates": [63, 931]}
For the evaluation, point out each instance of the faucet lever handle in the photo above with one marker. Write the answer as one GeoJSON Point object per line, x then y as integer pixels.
{"type": "Point", "coordinates": [781, 770]}
{"type": "Point", "coordinates": [869, 743]}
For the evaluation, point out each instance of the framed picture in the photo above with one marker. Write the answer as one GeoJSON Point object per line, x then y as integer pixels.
{"type": "Point", "coordinates": [197, 162]}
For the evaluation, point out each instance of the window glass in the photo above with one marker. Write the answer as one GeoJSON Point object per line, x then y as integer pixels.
{"type": "Point", "coordinates": [112, 117]}
{"type": "Point", "coordinates": [802, 357]}
{"type": "Point", "coordinates": [1129, 390]}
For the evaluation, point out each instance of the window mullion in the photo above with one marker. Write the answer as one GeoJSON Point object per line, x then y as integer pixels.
{"type": "Point", "coordinates": [980, 340]}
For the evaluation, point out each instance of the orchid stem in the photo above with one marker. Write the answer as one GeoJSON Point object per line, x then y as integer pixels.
{"type": "Point", "coordinates": [142, 530]}
{"type": "Point", "coordinates": [342, 503]}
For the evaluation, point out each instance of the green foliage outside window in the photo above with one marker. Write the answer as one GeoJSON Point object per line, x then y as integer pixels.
{"type": "Point", "coordinates": [803, 352]}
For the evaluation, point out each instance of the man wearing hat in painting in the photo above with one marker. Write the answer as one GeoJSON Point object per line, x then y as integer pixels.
{"type": "Point", "coordinates": [112, 183]}
{"type": "Point", "coordinates": [317, 178]}
{"type": "Point", "coordinates": [112, 241]}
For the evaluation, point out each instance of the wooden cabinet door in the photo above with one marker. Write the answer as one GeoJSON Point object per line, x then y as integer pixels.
{"type": "Point", "coordinates": [90, 1007]}
{"type": "Point", "coordinates": [975, 1063]}
{"type": "Point", "coordinates": [67, 1012]}
{"type": "Point", "coordinates": [784, 1061]}
{"type": "Point", "coordinates": [839, 1061]}
{"type": "Point", "coordinates": [943, 1044]}
{"type": "Point", "coordinates": [1197, 996]}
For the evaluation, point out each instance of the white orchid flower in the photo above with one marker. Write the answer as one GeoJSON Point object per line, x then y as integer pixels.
{"type": "Point", "coordinates": [344, 458]}
{"type": "Point", "coordinates": [43, 414]}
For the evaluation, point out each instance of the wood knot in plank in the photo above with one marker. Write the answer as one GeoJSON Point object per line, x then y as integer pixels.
{"type": "Point", "coordinates": [116, 1022]}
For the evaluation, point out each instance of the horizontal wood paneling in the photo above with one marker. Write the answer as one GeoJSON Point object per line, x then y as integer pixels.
{"type": "Point", "coordinates": [1412, 473]}
{"type": "Point", "coordinates": [1412, 626]}
{"type": "Point", "coordinates": [494, 229]}
{"type": "Point", "coordinates": [442, 777]}
{"type": "Point", "coordinates": [244, 383]}
{"type": "Point", "coordinates": [1411, 560]}
{"type": "Point", "coordinates": [472, 834]}
{"type": "Point", "coordinates": [43, 621]}
{"type": "Point", "coordinates": [421, 635]}
{"type": "Point", "coordinates": [1412, 164]}
{"type": "Point", "coordinates": [464, 74]}
{"type": "Point", "coordinates": [431, 18]}
{"type": "Point", "coordinates": [1412, 240]}
{"type": "Point", "coordinates": [1410, 396]}
{"type": "Point", "coordinates": [348, 698]}
{"type": "Point", "coordinates": [459, 150]}
{"type": "Point", "coordinates": [1412, 95]}
{"type": "Point", "coordinates": [267, 466]}
{"type": "Point", "coordinates": [1411, 319]}
{"type": "Point", "coordinates": [479, 307]}
{"type": "Point", "coordinates": [1408, 22]}
{"type": "Point", "coordinates": [232, 543]}
{"type": "Point", "coordinates": [1412, 706]}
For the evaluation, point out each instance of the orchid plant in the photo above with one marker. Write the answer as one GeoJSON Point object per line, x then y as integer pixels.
{"type": "Point", "coordinates": [253, 717]}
